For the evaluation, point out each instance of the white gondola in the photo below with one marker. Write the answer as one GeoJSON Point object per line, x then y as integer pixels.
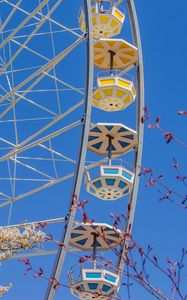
{"type": "Point", "coordinates": [113, 183]}
{"type": "Point", "coordinates": [97, 284]}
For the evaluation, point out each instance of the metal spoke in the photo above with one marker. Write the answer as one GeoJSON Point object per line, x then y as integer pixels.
{"type": "Point", "coordinates": [58, 154]}
{"type": "Point", "coordinates": [45, 186]}
{"type": "Point", "coordinates": [53, 21]}
{"type": "Point", "coordinates": [46, 67]}
{"type": "Point", "coordinates": [50, 124]}
{"type": "Point", "coordinates": [32, 34]}
{"type": "Point", "coordinates": [10, 15]}
{"type": "Point", "coordinates": [30, 16]}
{"type": "Point", "coordinates": [31, 168]}
{"type": "Point", "coordinates": [40, 141]}
{"type": "Point", "coordinates": [47, 222]}
{"type": "Point", "coordinates": [46, 33]}
{"type": "Point", "coordinates": [38, 253]}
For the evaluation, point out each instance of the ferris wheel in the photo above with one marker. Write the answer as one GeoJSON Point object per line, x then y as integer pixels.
{"type": "Point", "coordinates": [71, 100]}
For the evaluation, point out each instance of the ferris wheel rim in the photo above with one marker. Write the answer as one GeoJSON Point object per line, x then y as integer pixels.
{"type": "Point", "coordinates": [140, 131]}
{"type": "Point", "coordinates": [82, 153]}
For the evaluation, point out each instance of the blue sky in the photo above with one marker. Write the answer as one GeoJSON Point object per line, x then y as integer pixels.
{"type": "Point", "coordinates": [164, 39]}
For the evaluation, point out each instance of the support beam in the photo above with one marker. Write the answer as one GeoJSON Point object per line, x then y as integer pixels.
{"type": "Point", "coordinates": [48, 221]}
{"type": "Point", "coordinates": [41, 23]}
{"type": "Point", "coordinates": [25, 21]}
{"type": "Point", "coordinates": [41, 253]}
{"type": "Point", "coordinates": [17, 161]}
{"type": "Point", "coordinates": [47, 67]}
{"type": "Point", "coordinates": [140, 130]}
{"type": "Point", "coordinates": [10, 15]}
{"type": "Point", "coordinates": [20, 148]}
{"type": "Point", "coordinates": [58, 154]}
{"type": "Point", "coordinates": [119, 2]}
{"type": "Point", "coordinates": [39, 19]}
{"type": "Point", "coordinates": [45, 186]}
{"type": "Point", "coordinates": [33, 254]}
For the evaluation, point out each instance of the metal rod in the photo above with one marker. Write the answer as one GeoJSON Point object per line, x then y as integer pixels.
{"type": "Point", "coordinates": [41, 253]}
{"type": "Point", "coordinates": [40, 141]}
{"type": "Point", "coordinates": [47, 67]}
{"type": "Point", "coordinates": [26, 20]}
{"type": "Point", "coordinates": [39, 19]}
{"type": "Point", "coordinates": [119, 3]}
{"type": "Point", "coordinates": [40, 24]}
{"type": "Point", "coordinates": [110, 138]}
{"type": "Point", "coordinates": [112, 54]}
{"type": "Point", "coordinates": [38, 189]}
{"type": "Point", "coordinates": [32, 254]}
{"type": "Point", "coordinates": [95, 236]}
{"type": "Point", "coordinates": [101, 6]}
{"type": "Point", "coordinates": [10, 15]}
{"type": "Point", "coordinates": [66, 234]}
{"type": "Point", "coordinates": [109, 150]}
{"type": "Point", "coordinates": [49, 221]}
